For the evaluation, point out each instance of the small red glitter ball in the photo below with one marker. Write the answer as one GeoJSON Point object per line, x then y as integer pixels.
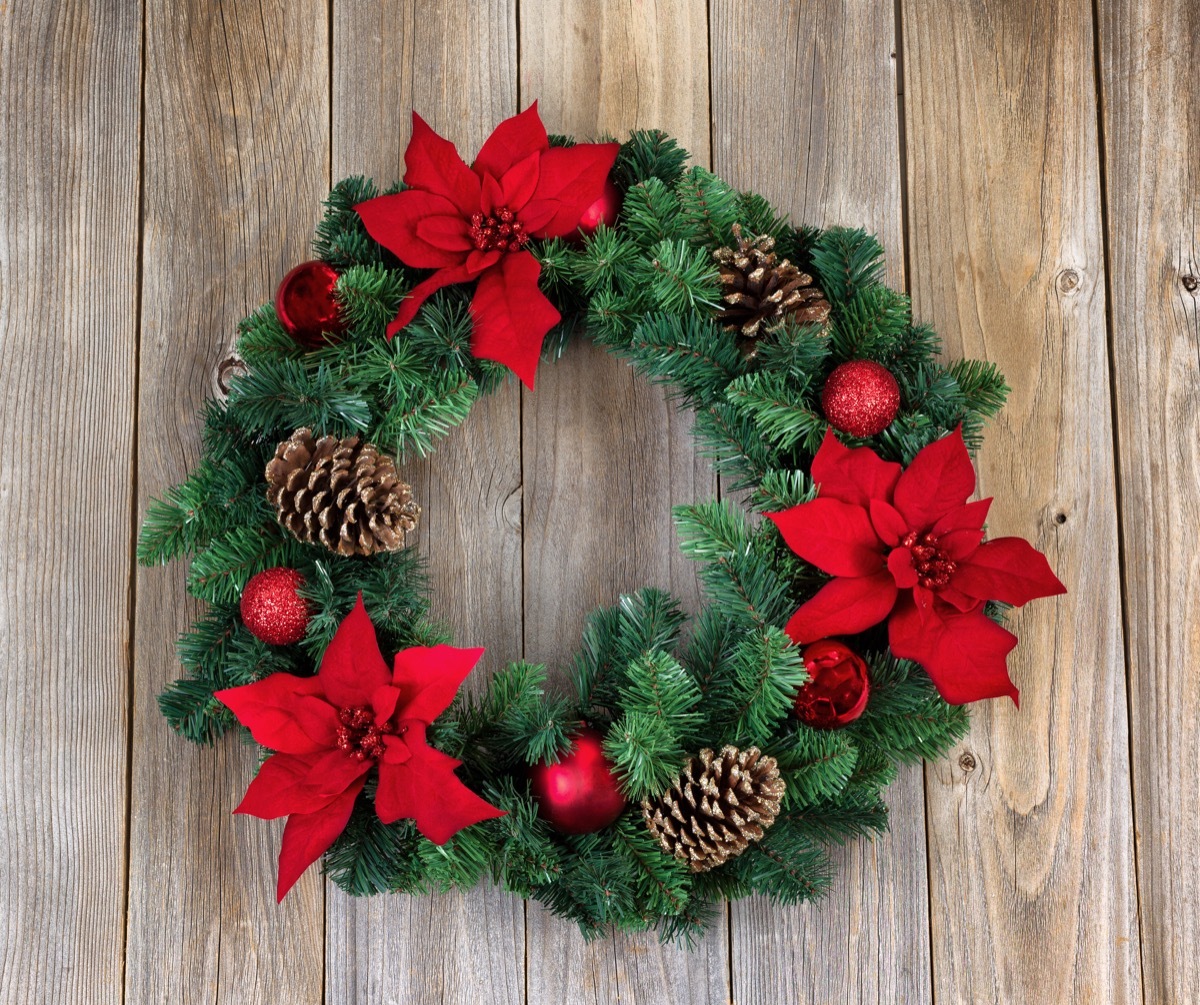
{"type": "Point", "coordinates": [604, 210]}
{"type": "Point", "coordinates": [860, 398]}
{"type": "Point", "coordinates": [837, 688]}
{"type": "Point", "coordinates": [579, 794]}
{"type": "Point", "coordinates": [306, 306]}
{"type": "Point", "coordinates": [272, 607]}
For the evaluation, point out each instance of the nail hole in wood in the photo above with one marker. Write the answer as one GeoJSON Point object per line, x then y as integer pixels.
{"type": "Point", "coordinates": [1060, 518]}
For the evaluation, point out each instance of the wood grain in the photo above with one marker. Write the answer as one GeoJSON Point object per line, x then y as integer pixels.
{"type": "Point", "coordinates": [1030, 843]}
{"type": "Point", "coordinates": [236, 148]}
{"type": "Point", "coordinates": [1150, 63]}
{"type": "Point", "coordinates": [68, 327]}
{"type": "Point", "coordinates": [455, 64]}
{"type": "Point", "coordinates": [606, 457]}
{"type": "Point", "coordinates": [823, 144]}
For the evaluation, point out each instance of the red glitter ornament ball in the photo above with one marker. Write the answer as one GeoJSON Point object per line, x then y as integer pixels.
{"type": "Point", "coordinates": [861, 398]}
{"type": "Point", "coordinates": [579, 794]}
{"type": "Point", "coordinates": [272, 607]}
{"type": "Point", "coordinates": [604, 210]}
{"type": "Point", "coordinates": [306, 306]}
{"type": "Point", "coordinates": [837, 688]}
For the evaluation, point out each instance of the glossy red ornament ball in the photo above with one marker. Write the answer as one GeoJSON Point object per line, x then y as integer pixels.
{"type": "Point", "coordinates": [861, 398]}
{"type": "Point", "coordinates": [604, 210]}
{"type": "Point", "coordinates": [579, 794]}
{"type": "Point", "coordinates": [837, 688]}
{"type": "Point", "coordinates": [306, 306]}
{"type": "Point", "coordinates": [272, 607]}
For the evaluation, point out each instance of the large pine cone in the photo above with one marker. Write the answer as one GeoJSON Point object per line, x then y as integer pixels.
{"type": "Point", "coordinates": [716, 807]}
{"type": "Point", "coordinates": [759, 290]}
{"type": "Point", "coordinates": [340, 493]}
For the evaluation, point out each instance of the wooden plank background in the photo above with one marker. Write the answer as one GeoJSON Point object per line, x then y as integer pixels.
{"type": "Point", "coordinates": [1034, 173]}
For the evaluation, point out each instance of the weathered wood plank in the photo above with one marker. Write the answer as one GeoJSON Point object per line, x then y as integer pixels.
{"type": "Point", "coordinates": [236, 163]}
{"type": "Point", "coordinates": [456, 64]}
{"type": "Point", "coordinates": [605, 455]}
{"type": "Point", "coordinates": [69, 76]}
{"type": "Point", "coordinates": [1030, 833]}
{"type": "Point", "coordinates": [822, 142]}
{"type": "Point", "coordinates": [1150, 78]}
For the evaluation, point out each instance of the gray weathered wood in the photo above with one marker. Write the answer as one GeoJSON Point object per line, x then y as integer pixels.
{"type": "Point", "coordinates": [605, 455]}
{"type": "Point", "coordinates": [1150, 80]}
{"type": "Point", "coordinates": [236, 163]}
{"type": "Point", "coordinates": [68, 293]}
{"type": "Point", "coordinates": [1030, 837]}
{"type": "Point", "coordinates": [455, 64]}
{"type": "Point", "coordinates": [823, 143]}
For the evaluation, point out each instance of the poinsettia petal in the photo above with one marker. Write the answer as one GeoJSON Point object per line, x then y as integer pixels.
{"type": "Point", "coordinates": [855, 475]}
{"type": "Point", "coordinates": [290, 783]}
{"type": "Point", "coordinates": [968, 516]}
{"type": "Point", "coordinates": [887, 521]}
{"type": "Point", "coordinates": [384, 702]}
{"type": "Point", "coordinates": [513, 140]}
{"type": "Point", "coordinates": [900, 565]}
{"type": "Point", "coordinates": [512, 315]}
{"type": "Point", "coordinates": [397, 221]}
{"type": "Point", "coordinates": [353, 667]}
{"type": "Point", "coordinates": [428, 678]}
{"type": "Point", "coordinates": [1008, 569]}
{"type": "Point", "coordinates": [520, 182]}
{"type": "Point", "coordinates": [307, 836]}
{"type": "Point", "coordinates": [451, 233]}
{"type": "Point", "coordinates": [960, 601]}
{"type": "Point", "coordinates": [964, 654]}
{"type": "Point", "coordinates": [960, 544]}
{"type": "Point", "coordinates": [478, 261]}
{"type": "Point", "coordinates": [571, 179]}
{"type": "Point", "coordinates": [433, 164]}
{"type": "Point", "coordinates": [425, 789]}
{"type": "Point", "coordinates": [283, 712]}
{"type": "Point", "coordinates": [834, 536]}
{"type": "Point", "coordinates": [939, 480]}
{"type": "Point", "coordinates": [276, 790]}
{"type": "Point", "coordinates": [424, 290]}
{"type": "Point", "coordinates": [844, 606]}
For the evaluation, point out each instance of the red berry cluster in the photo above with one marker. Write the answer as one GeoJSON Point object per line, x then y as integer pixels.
{"type": "Point", "coordinates": [934, 569]}
{"type": "Point", "coordinates": [501, 231]}
{"type": "Point", "coordinates": [359, 735]}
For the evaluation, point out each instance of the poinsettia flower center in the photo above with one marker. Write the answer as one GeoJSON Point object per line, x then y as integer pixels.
{"type": "Point", "coordinates": [498, 231]}
{"type": "Point", "coordinates": [933, 566]}
{"type": "Point", "coordinates": [359, 735]}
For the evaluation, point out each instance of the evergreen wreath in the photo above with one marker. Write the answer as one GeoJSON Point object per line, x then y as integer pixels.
{"type": "Point", "coordinates": [691, 759]}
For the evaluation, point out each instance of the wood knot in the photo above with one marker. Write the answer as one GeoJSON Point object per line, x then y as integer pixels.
{"type": "Point", "coordinates": [1060, 518]}
{"type": "Point", "coordinates": [1068, 281]}
{"type": "Point", "coordinates": [1190, 283]}
{"type": "Point", "coordinates": [966, 761]}
{"type": "Point", "coordinates": [231, 366]}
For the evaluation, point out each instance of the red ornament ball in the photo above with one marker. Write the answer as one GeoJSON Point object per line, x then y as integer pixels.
{"type": "Point", "coordinates": [604, 210]}
{"type": "Point", "coordinates": [272, 607]}
{"type": "Point", "coordinates": [579, 794]}
{"type": "Point", "coordinates": [306, 306]}
{"type": "Point", "coordinates": [837, 688]}
{"type": "Point", "coordinates": [861, 398]}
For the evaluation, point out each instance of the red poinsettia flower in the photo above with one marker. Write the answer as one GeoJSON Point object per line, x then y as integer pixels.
{"type": "Point", "coordinates": [906, 546]}
{"type": "Point", "coordinates": [331, 730]}
{"type": "Point", "coordinates": [472, 223]}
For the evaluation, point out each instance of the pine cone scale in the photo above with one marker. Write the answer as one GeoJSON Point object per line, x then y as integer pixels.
{"type": "Point", "coordinates": [341, 494]}
{"type": "Point", "coordinates": [760, 290]}
{"type": "Point", "coordinates": [717, 807]}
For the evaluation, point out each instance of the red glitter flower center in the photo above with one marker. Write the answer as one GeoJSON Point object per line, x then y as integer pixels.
{"type": "Point", "coordinates": [359, 735]}
{"type": "Point", "coordinates": [934, 567]}
{"type": "Point", "coordinates": [500, 231]}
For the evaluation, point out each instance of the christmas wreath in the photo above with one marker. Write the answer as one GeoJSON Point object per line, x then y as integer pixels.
{"type": "Point", "coordinates": [690, 759]}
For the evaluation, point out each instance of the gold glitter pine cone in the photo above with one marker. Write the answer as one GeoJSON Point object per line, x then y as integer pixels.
{"type": "Point", "coordinates": [717, 806]}
{"type": "Point", "coordinates": [340, 493]}
{"type": "Point", "coordinates": [759, 290]}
